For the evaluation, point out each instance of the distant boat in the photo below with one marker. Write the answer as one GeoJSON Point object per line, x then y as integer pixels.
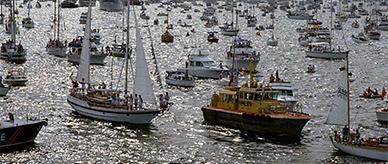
{"type": "Point", "coordinates": [181, 79]}
{"type": "Point", "coordinates": [15, 77]}
{"type": "Point", "coordinates": [11, 51]}
{"type": "Point", "coordinates": [111, 5]}
{"type": "Point", "coordinates": [69, 4]}
{"type": "Point", "coordinates": [55, 46]}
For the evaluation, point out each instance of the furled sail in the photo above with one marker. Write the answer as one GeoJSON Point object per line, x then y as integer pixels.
{"type": "Point", "coordinates": [83, 74]}
{"type": "Point", "coordinates": [143, 84]}
{"type": "Point", "coordinates": [339, 114]}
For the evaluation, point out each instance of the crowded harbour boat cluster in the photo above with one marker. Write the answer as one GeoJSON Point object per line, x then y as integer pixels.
{"type": "Point", "coordinates": [182, 78]}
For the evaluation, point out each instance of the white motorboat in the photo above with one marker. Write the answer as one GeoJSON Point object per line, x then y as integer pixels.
{"type": "Point", "coordinates": [111, 5]}
{"type": "Point", "coordinates": [324, 51]}
{"type": "Point", "coordinates": [360, 38]}
{"type": "Point", "coordinates": [382, 116]}
{"type": "Point", "coordinates": [106, 104]}
{"type": "Point", "coordinates": [286, 93]}
{"type": "Point", "coordinates": [15, 77]}
{"type": "Point", "coordinates": [202, 66]}
{"type": "Point", "coordinates": [352, 143]}
{"type": "Point", "coordinates": [178, 78]}
{"type": "Point", "coordinates": [272, 41]}
{"type": "Point", "coordinates": [241, 55]}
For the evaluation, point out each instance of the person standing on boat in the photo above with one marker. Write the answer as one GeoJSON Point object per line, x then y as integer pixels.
{"type": "Point", "coordinates": [167, 98]}
{"type": "Point", "coordinates": [345, 133]}
{"type": "Point", "coordinates": [136, 101]}
{"type": "Point", "coordinates": [140, 102]}
{"type": "Point", "coordinates": [161, 100]}
{"type": "Point", "coordinates": [130, 100]}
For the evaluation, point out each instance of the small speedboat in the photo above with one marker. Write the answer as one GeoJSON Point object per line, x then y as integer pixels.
{"type": "Point", "coordinates": [15, 77]}
{"type": "Point", "coordinates": [360, 38]}
{"type": "Point", "coordinates": [167, 37]}
{"type": "Point", "coordinates": [178, 78]}
{"type": "Point", "coordinates": [311, 69]}
{"type": "Point", "coordinates": [212, 37]}
{"type": "Point", "coordinates": [272, 41]}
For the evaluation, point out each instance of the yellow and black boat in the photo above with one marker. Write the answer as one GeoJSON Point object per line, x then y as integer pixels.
{"type": "Point", "coordinates": [254, 108]}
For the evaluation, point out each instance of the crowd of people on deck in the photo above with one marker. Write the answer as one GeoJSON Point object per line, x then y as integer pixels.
{"type": "Point", "coordinates": [348, 136]}
{"type": "Point", "coordinates": [276, 78]}
{"type": "Point", "coordinates": [55, 43]}
{"type": "Point", "coordinates": [134, 101]}
{"type": "Point", "coordinates": [369, 93]}
{"type": "Point", "coordinates": [11, 45]}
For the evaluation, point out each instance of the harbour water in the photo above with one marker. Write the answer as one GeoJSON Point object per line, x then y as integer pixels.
{"type": "Point", "coordinates": [180, 135]}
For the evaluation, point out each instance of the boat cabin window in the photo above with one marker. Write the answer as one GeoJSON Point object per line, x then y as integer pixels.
{"type": "Point", "coordinates": [198, 64]}
{"type": "Point", "coordinates": [258, 96]}
{"type": "Point", "coordinates": [228, 98]}
{"type": "Point", "coordinates": [246, 95]}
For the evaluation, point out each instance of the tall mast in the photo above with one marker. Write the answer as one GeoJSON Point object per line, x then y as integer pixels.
{"type": "Point", "coordinates": [347, 85]}
{"type": "Point", "coordinates": [55, 18]}
{"type": "Point", "coordinates": [122, 24]}
{"type": "Point", "coordinates": [13, 36]}
{"type": "Point", "coordinates": [331, 21]}
{"type": "Point", "coordinates": [59, 21]}
{"type": "Point", "coordinates": [127, 51]}
{"type": "Point", "coordinates": [236, 27]}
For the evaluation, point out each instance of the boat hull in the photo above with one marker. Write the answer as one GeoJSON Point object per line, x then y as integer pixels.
{"type": "Point", "coordinates": [3, 91]}
{"type": "Point", "coordinates": [57, 51]}
{"type": "Point", "coordinates": [265, 125]}
{"type": "Point", "coordinates": [110, 114]}
{"type": "Point", "coordinates": [14, 57]}
{"type": "Point", "coordinates": [111, 6]}
{"type": "Point", "coordinates": [204, 73]}
{"type": "Point", "coordinates": [361, 151]}
{"type": "Point", "coordinates": [382, 116]}
{"type": "Point", "coordinates": [94, 59]}
{"type": "Point", "coordinates": [180, 83]}
{"type": "Point", "coordinates": [21, 134]}
{"type": "Point", "coordinates": [15, 82]}
{"type": "Point", "coordinates": [327, 55]}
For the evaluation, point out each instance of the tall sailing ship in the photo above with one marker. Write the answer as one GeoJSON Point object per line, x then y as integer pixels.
{"type": "Point", "coordinates": [55, 46]}
{"type": "Point", "coordinates": [106, 104]}
{"type": "Point", "coordinates": [11, 51]}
